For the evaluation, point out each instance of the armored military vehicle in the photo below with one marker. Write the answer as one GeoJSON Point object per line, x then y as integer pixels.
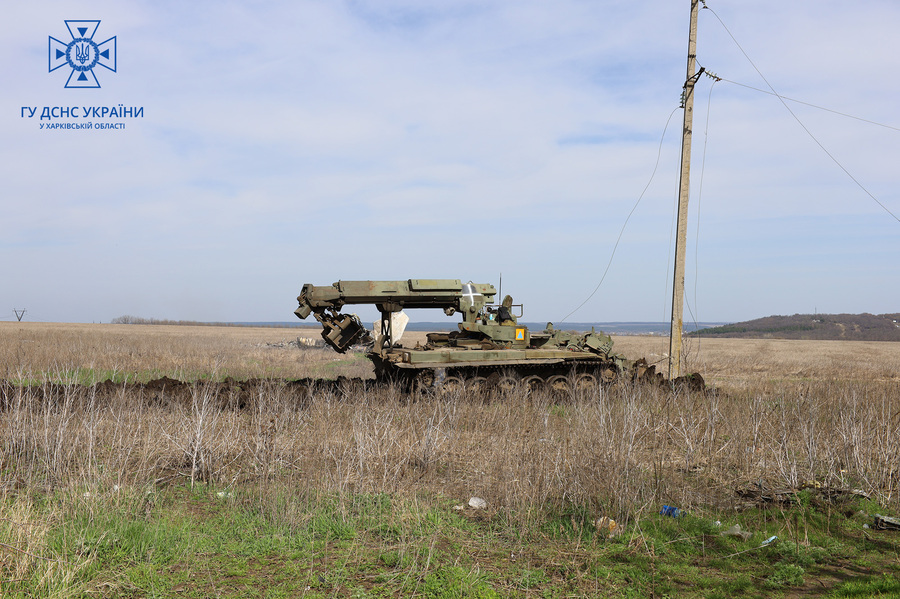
{"type": "Point", "coordinates": [491, 348]}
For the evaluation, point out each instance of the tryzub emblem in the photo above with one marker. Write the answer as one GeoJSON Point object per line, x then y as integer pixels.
{"type": "Point", "coordinates": [82, 54]}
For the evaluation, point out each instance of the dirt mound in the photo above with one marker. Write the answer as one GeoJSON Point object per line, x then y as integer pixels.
{"type": "Point", "coordinates": [166, 391]}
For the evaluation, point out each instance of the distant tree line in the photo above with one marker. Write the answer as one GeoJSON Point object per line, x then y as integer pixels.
{"type": "Point", "coordinates": [127, 319]}
{"type": "Point", "coordinates": [853, 327]}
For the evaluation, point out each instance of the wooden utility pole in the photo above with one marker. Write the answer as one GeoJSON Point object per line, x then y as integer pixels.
{"type": "Point", "coordinates": [681, 232]}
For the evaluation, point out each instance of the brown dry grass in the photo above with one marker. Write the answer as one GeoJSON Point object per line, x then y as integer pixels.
{"type": "Point", "coordinates": [745, 363]}
{"type": "Point", "coordinates": [142, 352]}
{"type": "Point", "coordinates": [254, 352]}
{"type": "Point", "coordinates": [785, 413]}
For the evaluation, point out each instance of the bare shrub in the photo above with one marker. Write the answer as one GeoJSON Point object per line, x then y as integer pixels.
{"type": "Point", "coordinates": [620, 450]}
{"type": "Point", "coordinates": [201, 433]}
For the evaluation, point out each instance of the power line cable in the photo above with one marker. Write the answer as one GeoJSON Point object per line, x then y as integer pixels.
{"type": "Point", "coordinates": [625, 224]}
{"type": "Point", "coordinates": [811, 105]}
{"type": "Point", "coordinates": [799, 122]}
{"type": "Point", "coordinates": [673, 226]}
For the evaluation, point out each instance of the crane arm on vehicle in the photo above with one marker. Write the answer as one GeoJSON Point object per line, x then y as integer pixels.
{"type": "Point", "coordinates": [343, 330]}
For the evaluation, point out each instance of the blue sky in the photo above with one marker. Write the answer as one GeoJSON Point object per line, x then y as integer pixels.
{"type": "Point", "coordinates": [291, 142]}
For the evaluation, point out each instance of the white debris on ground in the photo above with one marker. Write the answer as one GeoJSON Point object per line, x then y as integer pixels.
{"type": "Point", "coordinates": [608, 527]}
{"type": "Point", "coordinates": [299, 343]}
{"type": "Point", "coordinates": [477, 503]}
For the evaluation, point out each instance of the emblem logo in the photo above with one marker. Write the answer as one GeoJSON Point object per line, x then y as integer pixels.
{"type": "Point", "coordinates": [82, 54]}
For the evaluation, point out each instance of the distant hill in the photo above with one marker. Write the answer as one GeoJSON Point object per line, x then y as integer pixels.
{"type": "Point", "coordinates": [850, 327]}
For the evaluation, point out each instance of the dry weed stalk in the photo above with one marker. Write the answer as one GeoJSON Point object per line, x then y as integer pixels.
{"type": "Point", "coordinates": [619, 450]}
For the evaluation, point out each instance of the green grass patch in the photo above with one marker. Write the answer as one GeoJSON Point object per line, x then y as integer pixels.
{"type": "Point", "coordinates": [262, 543]}
{"type": "Point", "coordinates": [885, 586]}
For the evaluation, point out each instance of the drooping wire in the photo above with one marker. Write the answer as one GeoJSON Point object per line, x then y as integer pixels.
{"type": "Point", "coordinates": [811, 105]}
{"type": "Point", "coordinates": [625, 224]}
{"type": "Point", "coordinates": [799, 122]}
{"type": "Point", "coordinates": [667, 291]}
{"type": "Point", "coordinates": [673, 226]}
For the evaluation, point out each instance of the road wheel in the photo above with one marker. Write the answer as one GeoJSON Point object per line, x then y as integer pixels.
{"type": "Point", "coordinates": [423, 384]}
{"type": "Point", "coordinates": [609, 375]}
{"type": "Point", "coordinates": [533, 383]}
{"type": "Point", "coordinates": [452, 385]}
{"type": "Point", "coordinates": [507, 383]}
{"type": "Point", "coordinates": [476, 384]}
{"type": "Point", "coordinates": [586, 382]}
{"type": "Point", "coordinates": [559, 384]}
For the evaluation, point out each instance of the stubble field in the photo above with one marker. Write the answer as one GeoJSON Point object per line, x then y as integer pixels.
{"type": "Point", "coordinates": [240, 482]}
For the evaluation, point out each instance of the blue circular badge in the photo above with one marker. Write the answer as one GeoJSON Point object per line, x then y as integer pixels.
{"type": "Point", "coordinates": [82, 54]}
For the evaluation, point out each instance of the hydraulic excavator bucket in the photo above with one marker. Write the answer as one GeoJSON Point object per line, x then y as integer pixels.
{"type": "Point", "coordinates": [342, 331]}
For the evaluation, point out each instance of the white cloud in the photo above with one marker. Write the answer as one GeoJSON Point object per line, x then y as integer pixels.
{"type": "Point", "coordinates": [286, 142]}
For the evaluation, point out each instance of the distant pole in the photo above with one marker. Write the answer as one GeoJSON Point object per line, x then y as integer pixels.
{"type": "Point", "coordinates": [19, 314]}
{"type": "Point", "coordinates": [683, 195]}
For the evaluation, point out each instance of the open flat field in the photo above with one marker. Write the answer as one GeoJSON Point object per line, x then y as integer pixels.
{"type": "Point", "coordinates": [190, 352]}
{"type": "Point", "coordinates": [260, 487]}
{"type": "Point", "coordinates": [149, 351]}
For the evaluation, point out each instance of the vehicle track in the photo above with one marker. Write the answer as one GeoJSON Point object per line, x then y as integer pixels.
{"type": "Point", "coordinates": [239, 394]}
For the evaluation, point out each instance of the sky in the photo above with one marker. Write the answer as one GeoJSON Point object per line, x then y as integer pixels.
{"type": "Point", "coordinates": [291, 142]}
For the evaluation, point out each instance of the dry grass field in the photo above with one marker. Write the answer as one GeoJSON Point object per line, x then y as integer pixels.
{"type": "Point", "coordinates": [149, 351]}
{"type": "Point", "coordinates": [191, 352]}
{"type": "Point", "coordinates": [779, 416]}
{"type": "Point", "coordinates": [742, 363]}
{"type": "Point", "coordinates": [788, 412]}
